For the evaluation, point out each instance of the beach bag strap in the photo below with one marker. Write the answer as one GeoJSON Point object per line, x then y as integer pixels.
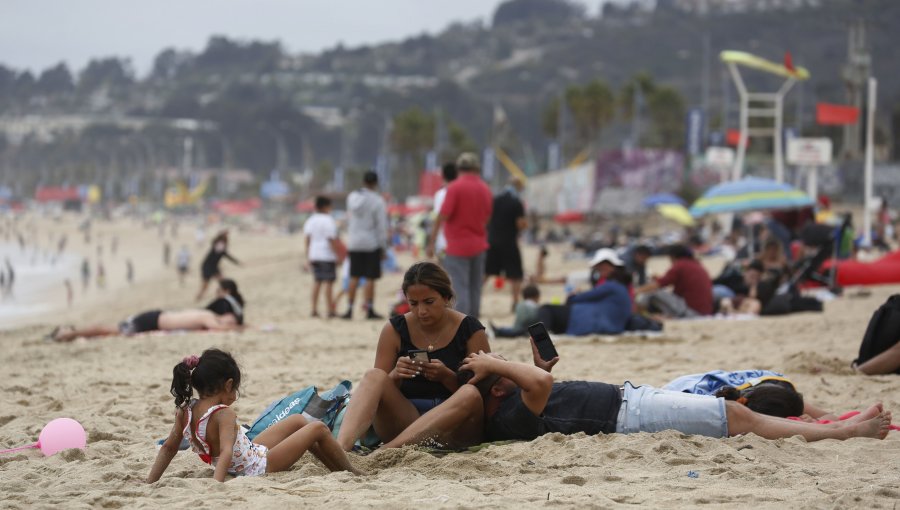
{"type": "Point", "coordinates": [883, 330]}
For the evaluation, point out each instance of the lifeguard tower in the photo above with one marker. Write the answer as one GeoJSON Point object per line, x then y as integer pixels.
{"type": "Point", "coordinates": [766, 105]}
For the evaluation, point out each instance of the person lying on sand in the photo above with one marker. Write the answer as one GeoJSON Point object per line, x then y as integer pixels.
{"type": "Point", "coordinates": [225, 313]}
{"type": "Point", "coordinates": [522, 402]}
{"type": "Point", "coordinates": [763, 391]}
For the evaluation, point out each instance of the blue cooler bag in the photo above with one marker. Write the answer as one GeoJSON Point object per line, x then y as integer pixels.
{"type": "Point", "coordinates": [309, 403]}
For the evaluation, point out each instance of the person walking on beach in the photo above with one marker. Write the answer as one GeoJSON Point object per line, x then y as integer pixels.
{"type": "Point", "coordinates": [464, 218]}
{"type": "Point", "coordinates": [85, 274]}
{"type": "Point", "coordinates": [10, 280]}
{"type": "Point", "coordinates": [129, 271]}
{"type": "Point", "coordinates": [367, 241]}
{"type": "Point", "coordinates": [449, 173]}
{"type": "Point", "coordinates": [210, 267]}
{"type": "Point", "coordinates": [183, 262]}
{"type": "Point", "coordinates": [321, 253]}
{"type": "Point", "coordinates": [507, 221]}
{"type": "Point", "coordinates": [70, 293]}
{"type": "Point", "coordinates": [101, 275]}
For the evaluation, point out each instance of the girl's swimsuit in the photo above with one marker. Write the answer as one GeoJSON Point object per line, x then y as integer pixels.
{"type": "Point", "coordinates": [247, 459]}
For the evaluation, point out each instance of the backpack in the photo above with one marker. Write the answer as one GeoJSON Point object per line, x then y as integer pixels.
{"type": "Point", "coordinates": [309, 403]}
{"type": "Point", "coordinates": [883, 331]}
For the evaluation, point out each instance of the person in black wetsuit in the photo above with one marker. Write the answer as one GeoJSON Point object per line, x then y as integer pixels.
{"type": "Point", "coordinates": [210, 267]}
{"type": "Point", "coordinates": [398, 390]}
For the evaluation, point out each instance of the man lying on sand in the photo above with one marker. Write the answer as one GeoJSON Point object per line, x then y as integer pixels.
{"type": "Point", "coordinates": [225, 313]}
{"type": "Point", "coordinates": [522, 402]}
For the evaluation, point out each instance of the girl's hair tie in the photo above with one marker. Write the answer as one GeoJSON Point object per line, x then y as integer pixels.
{"type": "Point", "coordinates": [191, 361]}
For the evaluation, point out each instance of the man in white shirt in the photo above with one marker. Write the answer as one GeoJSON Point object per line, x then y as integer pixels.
{"type": "Point", "coordinates": [449, 174]}
{"type": "Point", "coordinates": [322, 252]}
{"type": "Point", "coordinates": [367, 241]}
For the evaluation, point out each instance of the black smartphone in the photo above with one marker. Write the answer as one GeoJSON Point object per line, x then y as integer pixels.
{"type": "Point", "coordinates": [419, 355]}
{"type": "Point", "coordinates": [542, 340]}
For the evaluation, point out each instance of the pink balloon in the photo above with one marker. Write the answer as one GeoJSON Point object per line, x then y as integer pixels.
{"type": "Point", "coordinates": [61, 434]}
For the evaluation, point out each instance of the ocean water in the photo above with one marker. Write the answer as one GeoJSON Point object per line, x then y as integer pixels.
{"type": "Point", "coordinates": [39, 281]}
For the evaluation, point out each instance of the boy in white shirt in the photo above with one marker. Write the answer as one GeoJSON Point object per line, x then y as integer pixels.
{"type": "Point", "coordinates": [322, 247]}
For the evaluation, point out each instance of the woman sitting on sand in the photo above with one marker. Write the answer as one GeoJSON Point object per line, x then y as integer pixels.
{"type": "Point", "coordinates": [399, 389]}
{"type": "Point", "coordinates": [224, 313]}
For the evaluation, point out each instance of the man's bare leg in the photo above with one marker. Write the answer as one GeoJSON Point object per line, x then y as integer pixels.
{"type": "Point", "coordinates": [457, 422]}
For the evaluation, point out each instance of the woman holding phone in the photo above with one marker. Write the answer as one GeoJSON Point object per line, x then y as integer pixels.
{"type": "Point", "coordinates": [416, 362]}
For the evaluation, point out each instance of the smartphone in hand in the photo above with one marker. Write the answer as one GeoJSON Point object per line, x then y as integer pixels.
{"type": "Point", "coordinates": [419, 355]}
{"type": "Point", "coordinates": [542, 340]}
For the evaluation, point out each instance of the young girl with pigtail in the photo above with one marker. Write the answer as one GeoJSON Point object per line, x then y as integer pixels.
{"type": "Point", "coordinates": [211, 426]}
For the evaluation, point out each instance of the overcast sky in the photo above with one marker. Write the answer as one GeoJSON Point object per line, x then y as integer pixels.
{"type": "Point", "coordinates": [36, 34]}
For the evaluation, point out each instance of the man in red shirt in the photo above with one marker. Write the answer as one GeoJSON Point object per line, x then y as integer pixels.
{"type": "Point", "coordinates": [691, 287]}
{"type": "Point", "coordinates": [464, 217]}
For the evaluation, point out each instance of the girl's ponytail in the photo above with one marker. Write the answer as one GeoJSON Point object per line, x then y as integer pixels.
{"type": "Point", "coordinates": [181, 381]}
{"type": "Point", "coordinates": [731, 393]}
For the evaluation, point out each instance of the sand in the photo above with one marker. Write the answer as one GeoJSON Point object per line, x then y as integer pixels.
{"type": "Point", "coordinates": [118, 389]}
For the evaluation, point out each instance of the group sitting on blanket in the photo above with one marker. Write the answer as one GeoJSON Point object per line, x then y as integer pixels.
{"type": "Point", "coordinates": [435, 380]}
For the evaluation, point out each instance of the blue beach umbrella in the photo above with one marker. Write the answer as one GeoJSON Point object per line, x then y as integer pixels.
{"type": "Point", "coordinates": [662, 198]}
{"type": "Point", "coordinates": [749, 194]}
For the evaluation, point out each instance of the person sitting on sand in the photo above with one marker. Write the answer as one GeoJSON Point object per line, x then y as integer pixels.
{"type": "Point", "coordinates": [224, 313]}
{"type": "Point", "coordinates": [605, 309]}
{"type": "Point", "coordinates": [211, 426]}
{"type": "Point", "coordinates": [522, 402]}
{"type": "Point", "coordinates": [399, 390]}
{"type": "Point", "coordinates": [691, 293]}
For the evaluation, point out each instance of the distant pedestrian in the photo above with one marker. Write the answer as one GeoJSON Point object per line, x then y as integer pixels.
{"type": "Point", "coordinates": [449, 173]}
{"type": "Point", "coordinates": [10, 279]}
{"type": "Point", "coordinates": [101, 275]}
{"type": "Point", "coordinates": [70, 293]}
{"type": "Point", "coordinates": [182, 262]}
{"type": "Point", "coordinates": [167, 253]}
{"type": "Point", "coordinates": [85, 274]}
{"type": "Point", "coordinates": [507, 221]}
{"type": "Point", "coordinates": [210, 267]}
{"type": "Point", "coordinates": [464, 216]}
{"type": "Point", "coordinates": [322, 253]}
{"type": "Point", "coordinates": [367, 241]}
{"type": "Point", "coordinates": [129, 271]}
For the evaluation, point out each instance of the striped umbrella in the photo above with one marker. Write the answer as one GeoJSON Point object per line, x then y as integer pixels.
{"type": "Point", "coordinates": [749, 194]}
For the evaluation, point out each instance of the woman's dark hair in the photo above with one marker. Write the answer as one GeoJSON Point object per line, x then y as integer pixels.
{"type": "Point", "coordinates": [773, 398]}
{"type": "Point", "coordinates": [621, 275]}
{"type": "Point", "coordinates": [680, 251]}
{"type": "Point", "coordinates": [230, 286]}
{"type": "Point", "coordinates": [430, 275]}
{"type": "Point", "coordinates": [209, 375]}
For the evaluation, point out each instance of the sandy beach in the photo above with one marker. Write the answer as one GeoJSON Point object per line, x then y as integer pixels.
{"type": "Point", "coordinates": [118, 388]}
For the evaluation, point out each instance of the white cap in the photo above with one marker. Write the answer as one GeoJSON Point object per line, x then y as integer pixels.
{"type": "Point", "coordinates": [606, 255]}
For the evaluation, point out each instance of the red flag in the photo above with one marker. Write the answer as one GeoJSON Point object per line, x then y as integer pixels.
{"type": "Point", "coordinates": [788, 61]}
{"type": "Point", "coordinates": [733, 138]}
{"type": "Point", "coordinates": [836, 114]}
